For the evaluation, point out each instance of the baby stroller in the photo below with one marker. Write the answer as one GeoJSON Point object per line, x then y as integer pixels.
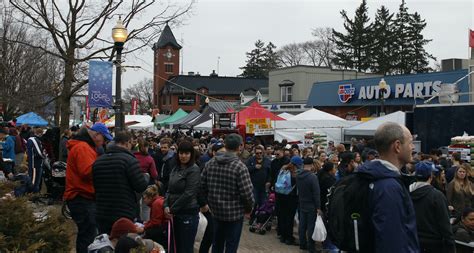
{"type": "Point", "coordinates": [263, 216]}
{"type": "Point", "coordinates": [55, 179]}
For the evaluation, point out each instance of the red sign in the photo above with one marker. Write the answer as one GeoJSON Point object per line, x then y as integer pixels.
{"type": "Point", "coordinates": [471, 38]}
{"type": "Point", "coordinates": [134, 106]}
{"type": "Point", "coordinates": [88, 109]}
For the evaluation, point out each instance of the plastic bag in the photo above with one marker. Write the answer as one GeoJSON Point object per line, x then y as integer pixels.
{"type": "Point", "coordinates": [319, 233]}
{"type": "Point", "coordinates": [201, 227]}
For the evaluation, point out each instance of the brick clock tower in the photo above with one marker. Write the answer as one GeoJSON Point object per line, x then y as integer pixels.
{"type": "Point", "coordinates": [166, 65]}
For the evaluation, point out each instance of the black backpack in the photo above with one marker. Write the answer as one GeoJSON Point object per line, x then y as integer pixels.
{"type": "Point", "coordinates": [348, 215]}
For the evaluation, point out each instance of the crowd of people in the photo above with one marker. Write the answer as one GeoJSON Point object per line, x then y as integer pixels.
{"type": "Point", "coordinates": [157, 186]}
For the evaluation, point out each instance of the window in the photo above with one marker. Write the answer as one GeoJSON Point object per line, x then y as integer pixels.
{"type": "Point", "coordinates": [169, 68]}
{"type": "Point", "coordinates": [286, 93]}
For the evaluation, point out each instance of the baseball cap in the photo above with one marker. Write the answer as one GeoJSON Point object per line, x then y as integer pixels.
{"type": "Point", "coordinates": [373, 152]}
{"type": "Point", "coordinates": [423, 170]}
{"type": "Point", "coordinates": [296, 160]}
{"type": "Point", "coordinates": [102, 129]}
{"type": "Point", "coordinates": [217, 146]}
{"type": "Point", "coordinates": [213, 140]}
{"type": "Point", "coordinates": [308, 160]}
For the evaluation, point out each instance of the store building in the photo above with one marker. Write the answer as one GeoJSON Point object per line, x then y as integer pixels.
{"type": "Point", "coordinates": [359, 98]}
{"type": "Point", "coordinates": [289, 87]}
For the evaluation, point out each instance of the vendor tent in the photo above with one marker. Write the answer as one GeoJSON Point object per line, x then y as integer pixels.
{"type": "Point", "coordinates": [286, 115]}
{"type": "Point", "coordinates": [149, 126]}
{"type": "Point", "coordinates": [206, 115]}
{"type": "Point", "coordinates": [191, 116]}
{"type": "Point", "coordinates": [315, 114]}
{"type": "Point", "coordinates": [176, 116]}
{"type": "Point", "coordinates": [294, 130]}
{"type": "Point", "coordinates": [205, 126]}
{"type": "Point", "coordinates": [129, 120]}
{"type": "Point", "coordinates": [255, 111]}
{"type": "Point", "coordinates": [368, 128]}
{"type": "Point", "coordinates": [161, 117]}
{"type": "Point", "coordinates": [31, 119]}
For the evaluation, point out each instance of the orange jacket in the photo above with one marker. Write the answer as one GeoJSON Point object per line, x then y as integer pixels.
{"type": "Point", "coordinates": [80, 158]}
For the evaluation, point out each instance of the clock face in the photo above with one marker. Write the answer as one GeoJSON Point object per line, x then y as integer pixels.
{"type": "Point", "coordinates": [168, 54]}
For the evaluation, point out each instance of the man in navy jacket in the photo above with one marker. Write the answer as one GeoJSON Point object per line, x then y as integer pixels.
{"type": "Point", "coordinates": [393, 215]}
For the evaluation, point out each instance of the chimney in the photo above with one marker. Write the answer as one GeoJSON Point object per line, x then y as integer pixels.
{"type": "Point", "coordinates": [213, 74]}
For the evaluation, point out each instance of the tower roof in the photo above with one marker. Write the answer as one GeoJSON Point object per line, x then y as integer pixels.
{"type": "Point", "coordinates": [166, 39]}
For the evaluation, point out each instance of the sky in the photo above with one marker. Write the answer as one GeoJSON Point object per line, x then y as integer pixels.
{"type": "Point", "coordinates": [224, 30]}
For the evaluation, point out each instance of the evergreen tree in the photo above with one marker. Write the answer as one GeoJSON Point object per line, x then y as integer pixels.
{"type": "Point", "coordinates": [419, 57]}
{"type": "Point", "coordinates": [260, 61]}
{"type": "Point", "coordinates": [353, 49]}
{"type": "Point", "coordinates": [402, 43]}
{"type": "Point", "coordinates": [384, 40]}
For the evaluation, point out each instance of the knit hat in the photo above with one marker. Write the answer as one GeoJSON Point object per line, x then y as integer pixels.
{"type": "Point", "coordinates": [121, 227]}
{"type": "Point", "coordinates": [308, 160]}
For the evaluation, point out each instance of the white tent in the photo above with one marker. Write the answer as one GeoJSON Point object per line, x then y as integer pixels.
{"type": "Point", "coordinates": [368, 128]}
{"type": "Point", "coordinates": [137, 118]}
{"type": "Point", "coordinates": [315, 114]}
{"type": "Point", "coordinates": [294, 130]}
{"type": "Point", "coordinates": [149, 126]}
{"type": "Point", "coordinates": [205, 126]}
{"type": "Point", "coordinates": [285, 115]}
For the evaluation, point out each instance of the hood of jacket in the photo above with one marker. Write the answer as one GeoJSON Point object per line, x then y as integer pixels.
{"type": "Point", "coordinates": [378, 170]}
{"type": "Point", "coordinates": [81, 136]}
{"type": "Point", "coordinates": [226, 157]}
{"type": "Point", "coordinates": [419, 190]}
{"type": "Point", "coordinates": [303, 174]}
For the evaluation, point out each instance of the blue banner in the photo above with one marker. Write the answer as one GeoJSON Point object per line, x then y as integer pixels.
{"type": "Point", "coordinates": [100, 84]}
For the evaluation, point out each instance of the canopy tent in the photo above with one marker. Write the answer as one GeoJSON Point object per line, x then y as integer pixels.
{"type": "Point", "coordinates": [203, 117]}
{"type": "Point", "coordinates": [149, 126]}
{"type": "Point", "coordinates": [192, 115]}
{"type": "Point", "coordinates": [161, 117]}
{"type": "Point", "coordinates": [205, 126]}
{"type": "Point", "coordinates": [294, 130]}
{"type": "Point", "coordinates": [129, 120]}
{"type": "Point", "coordinates": [368, 128]}
{"type": "Point", "coordinates": [31, 119]}
{"type": "Point", "coordinates": [171, 119]}
{"type": "Point", "coordinates": [255, 111]}
{"type": "Point", "coordinates": [286, 115]}
{"type": "Point", "coordinates": [315, 114]}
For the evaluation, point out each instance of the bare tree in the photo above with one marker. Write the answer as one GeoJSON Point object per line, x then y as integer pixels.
{"type": "Point", "coordinates": [28, 76]}
{"type": "Point", "coordinates": [143, 91]}
{"type": "Point", "coordinates": [325, 45]}
{"type": "Point", "coordinates": [312, 51]}
{"type": "Point", "coordinates": [76, 32]}
{"type": "Point", "coordinates": [291, 55]}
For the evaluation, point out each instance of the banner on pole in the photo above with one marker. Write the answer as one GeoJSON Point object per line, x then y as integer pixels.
{"type": "Point", "coordinates": [134, 110]}
{"type": "Point", "coordinates": [100, 84]}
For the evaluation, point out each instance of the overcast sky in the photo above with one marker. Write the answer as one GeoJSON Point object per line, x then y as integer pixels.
{"type": "Point", "coordinates": [229, 28]}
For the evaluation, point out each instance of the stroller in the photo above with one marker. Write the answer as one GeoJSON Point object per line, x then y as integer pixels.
{"type": "Point", "coordinates": [55, 179]}
{"type": "Point", "coordinates": [264, 216]}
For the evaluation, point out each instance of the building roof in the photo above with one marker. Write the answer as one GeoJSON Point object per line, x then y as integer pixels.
{"type": "Point", "coordinates": [222, 106]}
{"type": "Point", "coordinates": [217, 85]}
{"type": "Point", "coordinates": [166, 39]}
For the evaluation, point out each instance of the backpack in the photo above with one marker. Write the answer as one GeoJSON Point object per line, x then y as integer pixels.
{"type": "Point", "coordinates": [348, 215]}
{"type": "Point", "coordinates": [283, 183]}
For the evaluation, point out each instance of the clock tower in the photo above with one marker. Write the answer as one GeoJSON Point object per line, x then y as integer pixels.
{"type": "Point", "coordinates": [166, 65]}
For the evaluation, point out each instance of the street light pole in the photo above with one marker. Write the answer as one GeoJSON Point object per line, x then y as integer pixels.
{"type": "Point", "coordinates": [119, 34]}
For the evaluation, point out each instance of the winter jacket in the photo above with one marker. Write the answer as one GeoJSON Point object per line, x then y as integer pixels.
{"type": "Point", "coordinates": [63, 148]}
{"type": "Point", "coordinates": [183, 190]}
{"type": "Point", "coordinates": [169, 162]}
{"type": "Point", "coordinates": [9, 147]}
{"type": "Point", "coordinates": [393, 215]}
{"type": "Point", "coordinates": [432, 217]}
{"type": "Point", "coordinates": [326, 180]}
{"type": "Point", "coordinates": [81, 156]}
{"type": "Point", "coordinates": [117, 178]}
{"type": "Point", "coordinates": [147, 165]}
{"type": "Point", "coordinates": [20, 145]}
{"type": "Point", "coordinates": [157, 214]}
{"type": "Point", "coordinates": [275, 167]}
{"type": "Point", "coordinates": [463, 233]}
{"type": "Point", "coordinates": [459, 200]}
{"type": "Point", "coordinates": [308, 191]}
{"type": "Point", "coordinates": [259, 177]}
{"type": "Point", "coordinates": [226, 184]}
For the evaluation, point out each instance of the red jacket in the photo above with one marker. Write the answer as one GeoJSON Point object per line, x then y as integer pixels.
{"type": "Point", "coordinates": [80, 158]}
{"type": "Point", "coordinates": [147, 164]}
{"type": "Point", "coordinates": [157, 214]}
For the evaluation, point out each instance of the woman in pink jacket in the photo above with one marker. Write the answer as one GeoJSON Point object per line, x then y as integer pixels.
{"type": "Point", "coordinates": [147, 165]}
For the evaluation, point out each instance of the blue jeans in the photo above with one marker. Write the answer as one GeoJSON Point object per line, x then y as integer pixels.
{"type": "Point", "coordinates": [306, 228]}
{"type": "Point", "coordinates": [227, 235]}
{"type": "Point", "coordinates": [185, 230]}
{"type": "Point", "coordinates": [83, 213]}
{"type": "Point", "coordinates": [260, 195]}
{"type": "Point", "coordinates": [36, 174]}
